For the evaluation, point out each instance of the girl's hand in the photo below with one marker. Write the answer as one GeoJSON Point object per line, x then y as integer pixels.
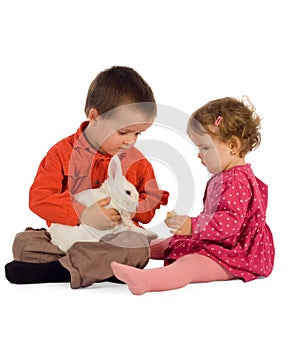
{"type": "Point", "coordinates": [181, 224]}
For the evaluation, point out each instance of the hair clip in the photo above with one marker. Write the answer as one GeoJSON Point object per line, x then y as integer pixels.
{"type": "Point", "coordinates": [218, 120]}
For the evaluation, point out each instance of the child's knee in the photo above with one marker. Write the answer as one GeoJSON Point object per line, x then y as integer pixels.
{"type": "Point", "coordinates": [34, 245]}
{"type": "Point", "coordinates": [21, 241]}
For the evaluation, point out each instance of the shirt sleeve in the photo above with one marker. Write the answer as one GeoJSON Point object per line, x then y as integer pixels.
{"type": "Point", "coordinates": [48, 196]}
{"type": "Point", "coordinates": [150, 196]}
{"type": "Point", "coordinates": [227, 220]}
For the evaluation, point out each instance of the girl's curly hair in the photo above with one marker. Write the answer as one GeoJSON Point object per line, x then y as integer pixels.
{"type": "Point", "coordinates": [238, 119]}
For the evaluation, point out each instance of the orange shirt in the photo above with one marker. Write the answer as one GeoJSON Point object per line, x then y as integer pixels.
{"type": "Point", "coordinates": [72, 166]}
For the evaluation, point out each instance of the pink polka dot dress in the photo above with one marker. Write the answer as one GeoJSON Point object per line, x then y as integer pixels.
{"type": "Point", "coordinates": [232, 227]}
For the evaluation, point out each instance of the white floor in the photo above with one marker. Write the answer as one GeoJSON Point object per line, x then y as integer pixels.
{"type": "Point", "coordinates": [221, 315]}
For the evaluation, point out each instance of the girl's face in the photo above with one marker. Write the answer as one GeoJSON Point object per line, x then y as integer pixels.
{"type": "Point", "coordinates": [215, 154]}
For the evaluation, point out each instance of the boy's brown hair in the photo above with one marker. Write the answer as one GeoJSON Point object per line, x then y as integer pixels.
{"type": "Point", "coordinates": [117, 86]}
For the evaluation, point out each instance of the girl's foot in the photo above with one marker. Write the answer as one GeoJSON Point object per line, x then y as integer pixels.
{"type": "Point", "coordinates": [130, 275]}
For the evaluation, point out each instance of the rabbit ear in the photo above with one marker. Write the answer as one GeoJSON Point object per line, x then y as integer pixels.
{"type": "Point", "coordinates": [114, 168]}
{"type": "Point", "coordinates": [122, 192]}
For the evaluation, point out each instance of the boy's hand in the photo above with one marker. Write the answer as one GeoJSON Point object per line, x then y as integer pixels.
{"type": "Point", "coordinates": [100, 217]}
{"type": "Point", "coordinates": [132, 215]}
{"type": "Point", "coordinates": [181, 224]}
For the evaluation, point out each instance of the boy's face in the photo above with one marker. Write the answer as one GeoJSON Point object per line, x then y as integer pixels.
{"type": "Point", "coordinates": [123, 138]}
{"type": "Point", "coordinates": [121, 130]}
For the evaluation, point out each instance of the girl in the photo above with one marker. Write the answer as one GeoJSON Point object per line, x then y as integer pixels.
{"type": "Point", "coordinates": [230, 238]}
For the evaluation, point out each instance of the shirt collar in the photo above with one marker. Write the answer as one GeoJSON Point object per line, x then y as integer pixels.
{"type": "Point", "coordinates": [81, 143]}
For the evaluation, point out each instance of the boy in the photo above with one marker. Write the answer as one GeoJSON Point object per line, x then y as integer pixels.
{"type": "Point", "coordinates": [119, 106]}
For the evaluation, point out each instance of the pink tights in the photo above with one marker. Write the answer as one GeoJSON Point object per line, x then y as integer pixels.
{"type": "Point", "coordinates": [187, 269]}
{"type": "Point", "coordinates": [158, 247]}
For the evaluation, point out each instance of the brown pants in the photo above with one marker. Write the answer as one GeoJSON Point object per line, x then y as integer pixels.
{"type": "Point", "coordinates": [87, 262]}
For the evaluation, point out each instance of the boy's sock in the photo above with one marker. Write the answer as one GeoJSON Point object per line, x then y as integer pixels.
{"type": "Point", "coordinates": [19, 272]}
{"type": "Point", "coordinates": [113, 279]}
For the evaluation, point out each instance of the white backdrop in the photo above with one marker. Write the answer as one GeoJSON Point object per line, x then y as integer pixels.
{"type": "Point", "coordinates": [190, 52]}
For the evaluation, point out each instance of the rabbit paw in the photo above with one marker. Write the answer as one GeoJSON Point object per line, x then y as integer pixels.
{"type": "Point", "coordinates": [150, 236]}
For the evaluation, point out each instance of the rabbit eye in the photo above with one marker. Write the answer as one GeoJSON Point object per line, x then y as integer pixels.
{"type": "Point", "coordinates": [128, 192]}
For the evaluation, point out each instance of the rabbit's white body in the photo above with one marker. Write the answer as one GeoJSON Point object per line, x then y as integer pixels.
{"type": "Point", "coordinates": [124, 198]}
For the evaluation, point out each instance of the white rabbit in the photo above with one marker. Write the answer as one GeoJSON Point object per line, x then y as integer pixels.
{"type": "Point", "coordinates": [124, 198]}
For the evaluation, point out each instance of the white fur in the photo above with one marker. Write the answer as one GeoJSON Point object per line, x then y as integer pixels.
{"type": "Point", "coordinates": [124, 198]}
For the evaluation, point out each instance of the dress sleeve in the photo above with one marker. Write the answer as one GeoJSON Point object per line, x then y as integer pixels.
{"type": "Point", "coordinates": [226, 221]}
{"type": "Point", "coordinates": [48, 196]}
